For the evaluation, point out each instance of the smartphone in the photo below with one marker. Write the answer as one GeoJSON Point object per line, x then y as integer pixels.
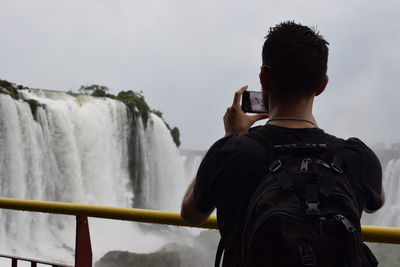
{"type": "Point", "coordinates": [253, 102]}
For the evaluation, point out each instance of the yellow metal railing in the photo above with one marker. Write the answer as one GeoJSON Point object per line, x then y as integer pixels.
{"type": "Point", "coordinates": [370, 233]}
{"type": "Point", "coordinates": [117, 213]}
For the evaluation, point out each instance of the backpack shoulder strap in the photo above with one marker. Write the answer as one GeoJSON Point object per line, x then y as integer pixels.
{"type": "Point", "coordinates": [260, 138]}
{"type": "Point", "coordinates": [220, 251]}
{"type": "Point", "coordinates": [332, 145]}
{"type": "Point", "coordinates": [337, 163]}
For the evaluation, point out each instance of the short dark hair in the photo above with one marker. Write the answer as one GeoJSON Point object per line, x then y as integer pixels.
{"type": "Point", "coordinates": [297, 58]}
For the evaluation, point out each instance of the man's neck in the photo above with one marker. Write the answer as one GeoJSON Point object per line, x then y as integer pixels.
{"type": "Point", "coordinates": [288, 114]}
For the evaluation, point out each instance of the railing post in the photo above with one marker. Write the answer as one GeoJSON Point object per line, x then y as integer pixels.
{"type": "Point", "coordinates": [83, 248]}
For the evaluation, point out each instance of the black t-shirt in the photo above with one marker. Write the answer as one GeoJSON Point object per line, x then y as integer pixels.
{"type": "Point", "coordinates": [233, 166]}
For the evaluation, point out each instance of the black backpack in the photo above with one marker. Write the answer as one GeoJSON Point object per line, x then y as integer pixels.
{"type": "Point", "coordinates": [303, 212]}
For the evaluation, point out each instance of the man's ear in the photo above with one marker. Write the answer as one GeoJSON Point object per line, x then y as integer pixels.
{"type": "Point", "coordinates": [322, 86]}
{"type": "Point", "coordinates": [265, 79]}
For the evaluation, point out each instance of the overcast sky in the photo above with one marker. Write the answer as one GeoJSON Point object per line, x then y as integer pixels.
{"type": "Point", "coordinates": [188, 57]}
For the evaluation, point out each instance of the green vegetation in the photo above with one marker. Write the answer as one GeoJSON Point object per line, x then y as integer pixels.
{"type": "Point", "coordinates": [34, 106]}
{"type": "Point", "coordinates": [134, 101]}
{"type": "Point", "coordinates": [176, 136]}
{"type": "Point", "coordinates": [157, 112]}
{"type": "Point", "coordinates": [8, 89]}
{"type": "Point", "coordinates": [94, 90]}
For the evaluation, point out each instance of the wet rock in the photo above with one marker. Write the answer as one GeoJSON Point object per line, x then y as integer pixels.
{"type": "Point", "coordinates": [200, 254]}
{"type": "Point", "coordinates": [161, 257]}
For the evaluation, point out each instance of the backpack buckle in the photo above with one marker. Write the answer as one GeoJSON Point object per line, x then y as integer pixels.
{"type": "Point", "coordinates": [275, 166]}
{"type": "Point", "coordinates": [309, 260]}
{"type": "Point", "coordinates": [312, 207]}
{"type": "Point", "coordinates": [307, 255]}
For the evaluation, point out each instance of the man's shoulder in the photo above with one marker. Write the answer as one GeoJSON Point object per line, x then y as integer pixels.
{"type": "Point", "coordinates": [356, 143]}
{"type": "Point", "coordinates": [355, 150]}
{"type": "Point", "coordinates": [235, 146]}
{"type": "Point", "coordinates": [222, 170]}
{"type": "Point", "coordinates": [269, 135]}
{"type": "Point", "coordinates": [355, 146]}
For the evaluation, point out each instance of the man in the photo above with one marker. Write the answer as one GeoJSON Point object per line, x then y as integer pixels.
{"type": "Point", "coordinates": [293, 74]}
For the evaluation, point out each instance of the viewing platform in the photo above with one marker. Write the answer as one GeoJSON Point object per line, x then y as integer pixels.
{"type": "Point", "coordinates": [83, 249]}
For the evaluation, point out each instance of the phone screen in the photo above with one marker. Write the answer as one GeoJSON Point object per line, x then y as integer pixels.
{"type": "Point", "coordinates": [253, 102]}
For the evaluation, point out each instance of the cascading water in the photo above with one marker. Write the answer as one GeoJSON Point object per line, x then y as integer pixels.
{"type": "Point", "coordinates": [389, 214]}
{"type": "Point", "coordinates": [80, 149]}
{"type": "Point", "coordinates": [163, 178]}
{"type": "Point", "coordinates": [192, 160]}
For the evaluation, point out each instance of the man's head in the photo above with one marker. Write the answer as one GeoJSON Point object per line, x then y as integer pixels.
{"type": "Point", "coordinates": [295, 60]}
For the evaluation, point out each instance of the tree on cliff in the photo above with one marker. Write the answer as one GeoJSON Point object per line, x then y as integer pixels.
{"type": "Point", "coordinates": [94, 90]}
{"type": "Point", "coordinates": [176, 136]}
{"type": "Point", "coordinates": [134, 101]}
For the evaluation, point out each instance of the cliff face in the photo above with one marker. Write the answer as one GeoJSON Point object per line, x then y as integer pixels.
{"type": "Point", "coordinates": [9, 89]}
{"type": "Point", "coordinates": [82, 149]}
{"type": "Point", "coordinates": [139, 116]}
{"type": "Point", "coordinates": [135, 101]}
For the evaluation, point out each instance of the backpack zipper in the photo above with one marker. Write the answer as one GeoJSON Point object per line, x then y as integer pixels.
{"type": "Point", "coordinates": [264, 216]}
{"type": "Point", "coordinates": [351, 229]}
{"type": "Point", "coordinates": [254, 201]}
{"type": "Point", "coordinates": [251, 209]}
{"type": "Point", "coordinates": [262, 219]}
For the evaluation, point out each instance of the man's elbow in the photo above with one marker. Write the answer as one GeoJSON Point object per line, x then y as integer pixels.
{"type": "Point", "coordinates": [189, 218]}
{"type": "Point", "coordinates": [369, 211]}
{"type": "Point", "coordinates": [382, 203]}
{"type": "Point", "coordinates": [189, 212]}
{"type": "Point", "coordinates": [191, 215]}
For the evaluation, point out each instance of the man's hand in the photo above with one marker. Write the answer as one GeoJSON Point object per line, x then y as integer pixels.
{"type": "Point", "coordinates": [235, 120]}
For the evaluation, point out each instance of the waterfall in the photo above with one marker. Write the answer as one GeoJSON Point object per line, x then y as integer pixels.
{"type": "Point", "coordinates": [163, 177]}
{"type": "Point", "coordinates": [389, 214]}
{"type": "Point", "coordinates": [192, 159]}
{"type": "Point", "coordinates": [80, 149]}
